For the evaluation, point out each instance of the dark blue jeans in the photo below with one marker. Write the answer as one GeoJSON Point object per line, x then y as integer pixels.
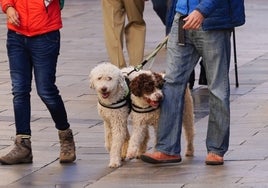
{"type": "Point", "coordinates": [36, 55]}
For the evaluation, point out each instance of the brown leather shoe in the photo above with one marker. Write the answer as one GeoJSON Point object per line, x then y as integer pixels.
{"type": "Point", "coordinates": [159, 157]}
{"type": "Point", "coordinates": [214, 159]}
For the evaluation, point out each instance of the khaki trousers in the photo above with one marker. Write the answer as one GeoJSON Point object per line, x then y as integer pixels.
{"type": "Point", "coordinates": [116, 31]}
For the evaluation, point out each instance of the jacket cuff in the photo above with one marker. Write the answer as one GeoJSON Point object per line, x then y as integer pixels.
{"type": "Point", "coordinates": [5, 7]}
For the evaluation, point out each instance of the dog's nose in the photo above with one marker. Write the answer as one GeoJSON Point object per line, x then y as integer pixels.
{"type": "Point", "coordinates": [104, 89]}
{"type": "Point", "coordinates": [159, 96]}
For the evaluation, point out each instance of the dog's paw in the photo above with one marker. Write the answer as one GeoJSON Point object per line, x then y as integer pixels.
{"type": "Point", "coordinates": [132, 155]}
{"type": "Point", "coordinates": [129, 157]}
{"type": "Point", "coordinates": [115, 164]}
{"type": "Point", "coordinates": [189, 153]}
{"type": "Point", "coordinates": [189, 150]}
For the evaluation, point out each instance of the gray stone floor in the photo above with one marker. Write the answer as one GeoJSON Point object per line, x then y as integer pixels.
{"type": "Point", "coordinates": [82, 48]}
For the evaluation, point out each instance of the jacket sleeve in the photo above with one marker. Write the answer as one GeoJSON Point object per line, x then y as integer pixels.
{"type": "Point", "coordinates": [206, 7]}
{"type": "Point", "coordinates": [6, 3]}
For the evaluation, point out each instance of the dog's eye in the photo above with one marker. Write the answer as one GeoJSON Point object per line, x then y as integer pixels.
{"type": "Point", "coordinates": [159, 86]}
{"type": "Point", "coordinates": [99, 78]}
{"type": "Point", "coordinates": [109, 78]}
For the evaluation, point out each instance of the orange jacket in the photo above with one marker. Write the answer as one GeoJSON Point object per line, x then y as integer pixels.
{"type": "Point", "coordinates": [35, 18]}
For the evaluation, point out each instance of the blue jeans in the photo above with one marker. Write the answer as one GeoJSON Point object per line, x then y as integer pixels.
{"type": "Point", "coordinates": [214, 48]}
{"type": "Point", "coordinates": [36, 54]}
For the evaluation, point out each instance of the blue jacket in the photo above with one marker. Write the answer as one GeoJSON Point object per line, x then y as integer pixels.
{"type": "Point", "coordinates": [219, 14]}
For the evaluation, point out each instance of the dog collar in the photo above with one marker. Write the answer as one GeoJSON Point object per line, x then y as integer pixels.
{"type": "Point", "coordinates": [138, 109]}
{"type": "Point", "coordinates": [116, 105]}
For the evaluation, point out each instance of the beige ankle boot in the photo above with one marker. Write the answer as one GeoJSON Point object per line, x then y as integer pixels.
{"type": "Point", "coordinates": [21, 152]}
{"type": "Point", "coordinates": [67, 146]}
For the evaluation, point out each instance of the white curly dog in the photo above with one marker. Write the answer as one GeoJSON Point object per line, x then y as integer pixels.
{"type": "Point", "coordinates": [113, 106]}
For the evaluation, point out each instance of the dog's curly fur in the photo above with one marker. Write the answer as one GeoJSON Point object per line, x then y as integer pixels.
{"type": "Point", "coordinates": [145, 87]}
{"type": "Point", "coordinates": [111, 87]}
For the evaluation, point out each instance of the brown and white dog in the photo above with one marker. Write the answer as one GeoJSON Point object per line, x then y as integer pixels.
{"type": "Point", "coordinates": [113, 106]}
{"type": "Point", "coordinates": [146, 95]}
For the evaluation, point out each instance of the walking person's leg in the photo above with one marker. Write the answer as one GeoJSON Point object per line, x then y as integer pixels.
{"type": "Point", "coordinates": [217, 61]}
{"type": "Point", "coordinates": [113, 23]}
{"type": "Point", "coordinates": [45, 51]}
{"type": "Point", "coordinates": [135, 31]}
{"type": "Point", "coordinates": [180, 62]}
{"type": "Point", "coordinates": [21, 77]}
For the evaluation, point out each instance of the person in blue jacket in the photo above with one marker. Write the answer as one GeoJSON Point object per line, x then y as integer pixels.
{"type": "Point", "coordinates": [201, 28]}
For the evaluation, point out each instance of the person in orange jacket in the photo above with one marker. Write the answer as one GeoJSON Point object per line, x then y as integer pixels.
{"type": "Point", "coordinates": [33, 45]}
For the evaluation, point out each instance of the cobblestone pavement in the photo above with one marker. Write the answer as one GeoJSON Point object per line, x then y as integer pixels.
{"type": "Point", "coordinates": [82, 48]}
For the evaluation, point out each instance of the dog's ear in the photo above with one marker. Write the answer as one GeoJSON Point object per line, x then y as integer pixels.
{"type": "Point", "coordinates": [122, 81]}
{"type": "Point", "coordinates": [141, 84]}
{"type": "Point", "coordinates": [135, 87]}
{"type": "Point", "coordinates": [91, 84]}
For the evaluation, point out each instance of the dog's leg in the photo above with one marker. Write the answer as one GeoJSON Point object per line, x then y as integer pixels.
{"type": "Point", "coordinates": [143, 146]}
{"type": "Point", "coordinates": [137, 137]}
{"type": "Point", "coordinates": [107, 136]}
{"type": "Point", "coordinates": [188, 123]}
{"type": "Point", "coordinates": [119, 134]}
{"type": "Point", "coordinates": [155, 127]}
{"type": "Point", "coordinates": [125, 146]}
